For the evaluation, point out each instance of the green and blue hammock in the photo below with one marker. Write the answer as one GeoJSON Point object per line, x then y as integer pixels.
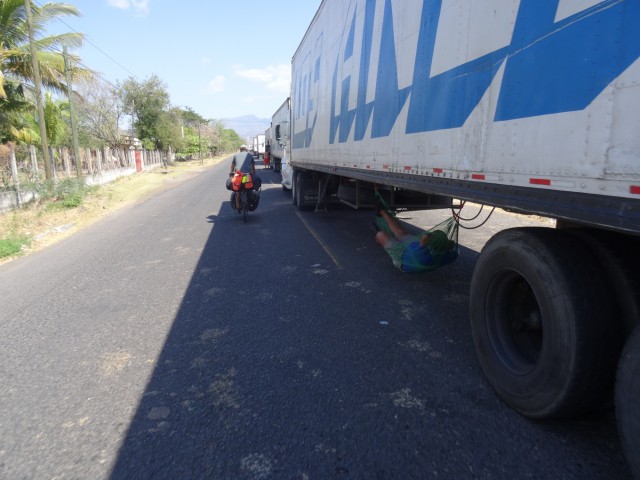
{"type": "Point", "coordinates": [441, 249]}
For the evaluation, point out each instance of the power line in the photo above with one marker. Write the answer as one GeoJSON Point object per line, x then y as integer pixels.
{"type": "Point", "coordinates": [94, 73]}
{"type": "Point", "coordinates": [95, 46]}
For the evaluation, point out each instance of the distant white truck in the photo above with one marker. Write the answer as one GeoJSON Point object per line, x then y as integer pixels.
{"type": "Point", "coordinates": [266, 157]}
{"type": "Point", "coordinates": [530, 106]}
{"type": "Point", "coordinates": [280, 125]}
{"type": "Point", "coordinates": [258, 145]}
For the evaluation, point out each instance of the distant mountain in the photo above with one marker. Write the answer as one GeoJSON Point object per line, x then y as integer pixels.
{"type": "Point", "coordinates": [247, 126]}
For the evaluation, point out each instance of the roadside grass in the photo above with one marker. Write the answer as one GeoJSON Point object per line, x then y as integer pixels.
{"type": "Point", "coordinates": [67, 194]}
{"type": "Point", "coordinates": [13, 246]}
{"type": "Point", "coordinates": [70, 208]}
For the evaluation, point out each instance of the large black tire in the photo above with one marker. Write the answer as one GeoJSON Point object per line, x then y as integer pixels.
{"type": "Point", "coordinates": [301, 187]}
{"type": "Point", "coordinates": [539, 308]}
{"type": "Point", "coordinates": [619, 257]}
{"type": "Point", "coordinates": [628, 402]}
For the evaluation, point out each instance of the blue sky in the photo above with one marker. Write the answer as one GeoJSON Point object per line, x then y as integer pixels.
{"type": "Point", "coordinates": [222, 58]}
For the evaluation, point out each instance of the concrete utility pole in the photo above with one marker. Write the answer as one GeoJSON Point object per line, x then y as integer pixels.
{"type": "Point", "coordinates": [74, 128]}
{"type": "Point", "coordinates": [37, 80]}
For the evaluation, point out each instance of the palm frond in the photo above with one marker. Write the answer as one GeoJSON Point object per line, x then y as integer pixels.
{"type": "Point", "coordinates": [53, 11]}
{"type": "Point", "coordinates": [70, 39]}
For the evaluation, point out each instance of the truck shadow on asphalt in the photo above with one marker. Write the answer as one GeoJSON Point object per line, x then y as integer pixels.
{"type": "Point", "coordinates": [299, 354]}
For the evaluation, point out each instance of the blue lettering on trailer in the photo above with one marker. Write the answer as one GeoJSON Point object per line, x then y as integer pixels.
{"type": "Point", "coordinates": [549, 67]}
{"type": "Point", "coordinates": [573, 61]}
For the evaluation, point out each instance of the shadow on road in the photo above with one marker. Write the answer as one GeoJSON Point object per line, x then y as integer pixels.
{"type": "Point", "coordinates": [282, 364]}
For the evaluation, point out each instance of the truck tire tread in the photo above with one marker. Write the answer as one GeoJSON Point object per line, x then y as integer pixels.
{"type": "Point", "coordinates": [573, 368]}
{"type": "Point", "coordinates": [628, 402]}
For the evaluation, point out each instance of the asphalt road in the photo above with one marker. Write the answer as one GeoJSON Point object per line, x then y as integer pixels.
{"type": "Point", "coordinates": [171, 340]}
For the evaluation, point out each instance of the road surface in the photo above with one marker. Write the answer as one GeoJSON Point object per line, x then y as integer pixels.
{"type": "Point", "coordinates": [171, 340]}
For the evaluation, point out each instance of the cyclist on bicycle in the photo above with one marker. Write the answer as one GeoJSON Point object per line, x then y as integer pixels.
{"type": "Point", "coordinates": [243, 162]}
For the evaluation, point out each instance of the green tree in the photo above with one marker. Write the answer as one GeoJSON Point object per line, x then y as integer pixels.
{"type": "Point", "coordinates": [168, 130]}
{"type": "Point", "coordinates": [147, 102]}
{"type": "Point", "coordinates": [194, 128]}
{"type": "Point", "coordinates": [16, 74]}
{"type": "Point", "coordinates": [190, 145]}
{"type": "Point", "coordinates": [13, 109]}
{"type": "Point", "coordinates": [192, 118]}
{"type": "Point", "coordinates": [15, 56]}
{"type": "Point", "coordinates": [55, 114]}
{"type": "Point", "coordinates": [230, 140]}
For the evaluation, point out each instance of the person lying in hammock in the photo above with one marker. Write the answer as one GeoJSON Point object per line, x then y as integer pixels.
{"type": "Point", "coordinates": [415, 253]}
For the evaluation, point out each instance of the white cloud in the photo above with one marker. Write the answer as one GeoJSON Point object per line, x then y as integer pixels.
{"type": "Point", "coordinates": [215, 86]}
{"type": "Point", "coordinates": [276, 77]}
{"type": "Point", "coordinates": [141, 6]}
{"type": "Point", "coordinates": [205, 61]}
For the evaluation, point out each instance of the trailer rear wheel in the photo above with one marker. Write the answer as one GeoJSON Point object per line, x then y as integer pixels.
{"type": "Point", "coordinates": [539, 307]}
{"type": "Point", "coordinates": [618, 256]}
{"type": "Point", "coordinates": [301, 187]}
{"type": "Point", "coordinates": [628, 402]}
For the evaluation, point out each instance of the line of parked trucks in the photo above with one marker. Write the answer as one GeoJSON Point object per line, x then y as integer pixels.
{"type": "Point", "coordinates": [528, 106]}
{"type": "Point", "coordinates": [272, 143]}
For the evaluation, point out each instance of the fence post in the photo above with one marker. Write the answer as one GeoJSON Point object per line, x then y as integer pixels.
{"type": "Point", "coordinates": [89, 161]}
{"type": "Point", "coordinates": [54, 173]}
{"type": "Point", "coordinates": [14, 170]}
{"type": "Point", "coordinates": [99, 160]}
{"type": "Point", "coordinates": [34, 162]}
{"type": "Point", "coordinates": [65, 159]}
{"type": "Point", "coordinates": [106, 157]}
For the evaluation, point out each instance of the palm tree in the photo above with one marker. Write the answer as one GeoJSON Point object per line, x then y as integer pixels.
{"type": "Point", "coordinates": [15, 57]}
{"type": "Point", "coordinates": [15, 115]}
{"type": "Point", "coordinates": [16, 73]}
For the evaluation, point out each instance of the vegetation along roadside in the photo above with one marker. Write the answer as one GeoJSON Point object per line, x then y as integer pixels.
{"type": "Point", "coordinates": [43, 223]}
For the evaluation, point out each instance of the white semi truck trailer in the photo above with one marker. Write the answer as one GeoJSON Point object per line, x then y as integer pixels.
{"type": "Point", "coordinates": [280, 125]}
{"type": "Point", "coordinates": [258, 144]}
{"type": "Point", "coordinates": [527, 105]}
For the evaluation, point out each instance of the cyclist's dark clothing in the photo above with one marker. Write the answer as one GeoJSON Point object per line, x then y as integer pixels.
{"type": "Point", "coordinates": [244, 162]}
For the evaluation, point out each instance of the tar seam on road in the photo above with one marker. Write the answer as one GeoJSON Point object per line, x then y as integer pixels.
{"type": "Point", "coordinates": [319, 240]}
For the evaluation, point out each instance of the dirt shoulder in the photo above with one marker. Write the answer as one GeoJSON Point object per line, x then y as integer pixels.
{"type": "Point", "coordinates": [46, 227]}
